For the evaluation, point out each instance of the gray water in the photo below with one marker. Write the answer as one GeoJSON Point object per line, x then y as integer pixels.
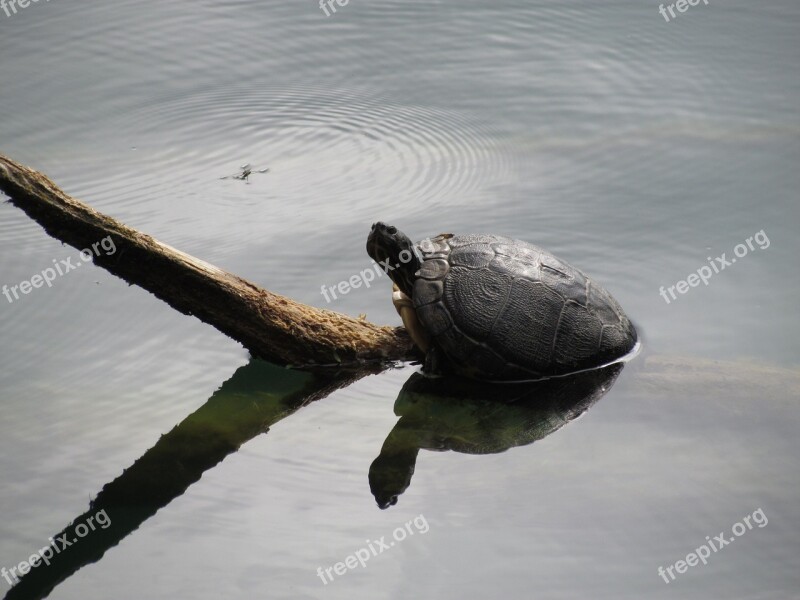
{"type": "Point", "coordinates": [633, 147]}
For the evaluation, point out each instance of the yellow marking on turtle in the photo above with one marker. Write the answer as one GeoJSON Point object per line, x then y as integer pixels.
{"type": "Point", "coordinates": [405, 308]}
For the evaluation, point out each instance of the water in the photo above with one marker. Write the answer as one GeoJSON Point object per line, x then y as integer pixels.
{"type": "Point", "coordinates": [631, 147]}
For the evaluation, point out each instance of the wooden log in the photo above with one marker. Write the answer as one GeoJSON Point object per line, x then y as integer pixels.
{"type": "Point", "coordinates": [270, 326]}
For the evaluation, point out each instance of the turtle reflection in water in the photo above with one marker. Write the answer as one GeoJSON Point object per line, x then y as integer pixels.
{"type": "Point", "coordinates": [477, 418]}
{"type": "Point", "coordinates": [499, 309]}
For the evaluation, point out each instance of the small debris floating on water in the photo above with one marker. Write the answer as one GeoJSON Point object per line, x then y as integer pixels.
{"type": "Point", "coordinates": [244, 174]}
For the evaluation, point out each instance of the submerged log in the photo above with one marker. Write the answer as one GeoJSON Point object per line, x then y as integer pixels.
{"type": "Point", "coordinates": [270, 326]}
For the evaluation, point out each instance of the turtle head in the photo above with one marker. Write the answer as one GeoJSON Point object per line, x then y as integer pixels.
{"type": "Point", "coordinates": [394, 251]}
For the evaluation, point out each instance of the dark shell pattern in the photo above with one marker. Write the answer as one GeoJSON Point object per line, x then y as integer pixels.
{"type": "Point", "coordinates": [504, 309]}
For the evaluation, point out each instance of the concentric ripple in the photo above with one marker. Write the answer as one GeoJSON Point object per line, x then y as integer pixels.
{"type": "Point", "coordinates": [336, 144]}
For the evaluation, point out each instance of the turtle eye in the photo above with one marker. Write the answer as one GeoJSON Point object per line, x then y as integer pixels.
{"type": "Point", "coordinates": [391, 230]}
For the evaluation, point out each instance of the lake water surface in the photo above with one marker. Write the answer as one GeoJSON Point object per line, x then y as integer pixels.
{"type": "Point", "coordinates": [639, 150]}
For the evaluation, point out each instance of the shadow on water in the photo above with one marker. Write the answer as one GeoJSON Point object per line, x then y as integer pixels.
{"type": "Point", "coordinates": [443, 414]}
{"type": "Point", "coordinates": [436, 414]}
{"type": "Point", "coordinates": [258, 395]}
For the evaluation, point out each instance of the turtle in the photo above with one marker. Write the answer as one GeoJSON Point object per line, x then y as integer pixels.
{"type": "Point", "coordinates": [494, 308]}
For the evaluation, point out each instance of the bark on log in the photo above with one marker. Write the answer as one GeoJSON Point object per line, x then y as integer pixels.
{"type": "Point", "coordinates": [270, 326]}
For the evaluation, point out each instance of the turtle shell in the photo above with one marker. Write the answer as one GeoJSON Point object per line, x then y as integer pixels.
{"type": "Point", "coordinates": [503, 309]}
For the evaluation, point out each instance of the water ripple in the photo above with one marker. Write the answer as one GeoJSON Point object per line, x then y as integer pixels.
{"type": "Point", "coordinates": [341, 143]}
